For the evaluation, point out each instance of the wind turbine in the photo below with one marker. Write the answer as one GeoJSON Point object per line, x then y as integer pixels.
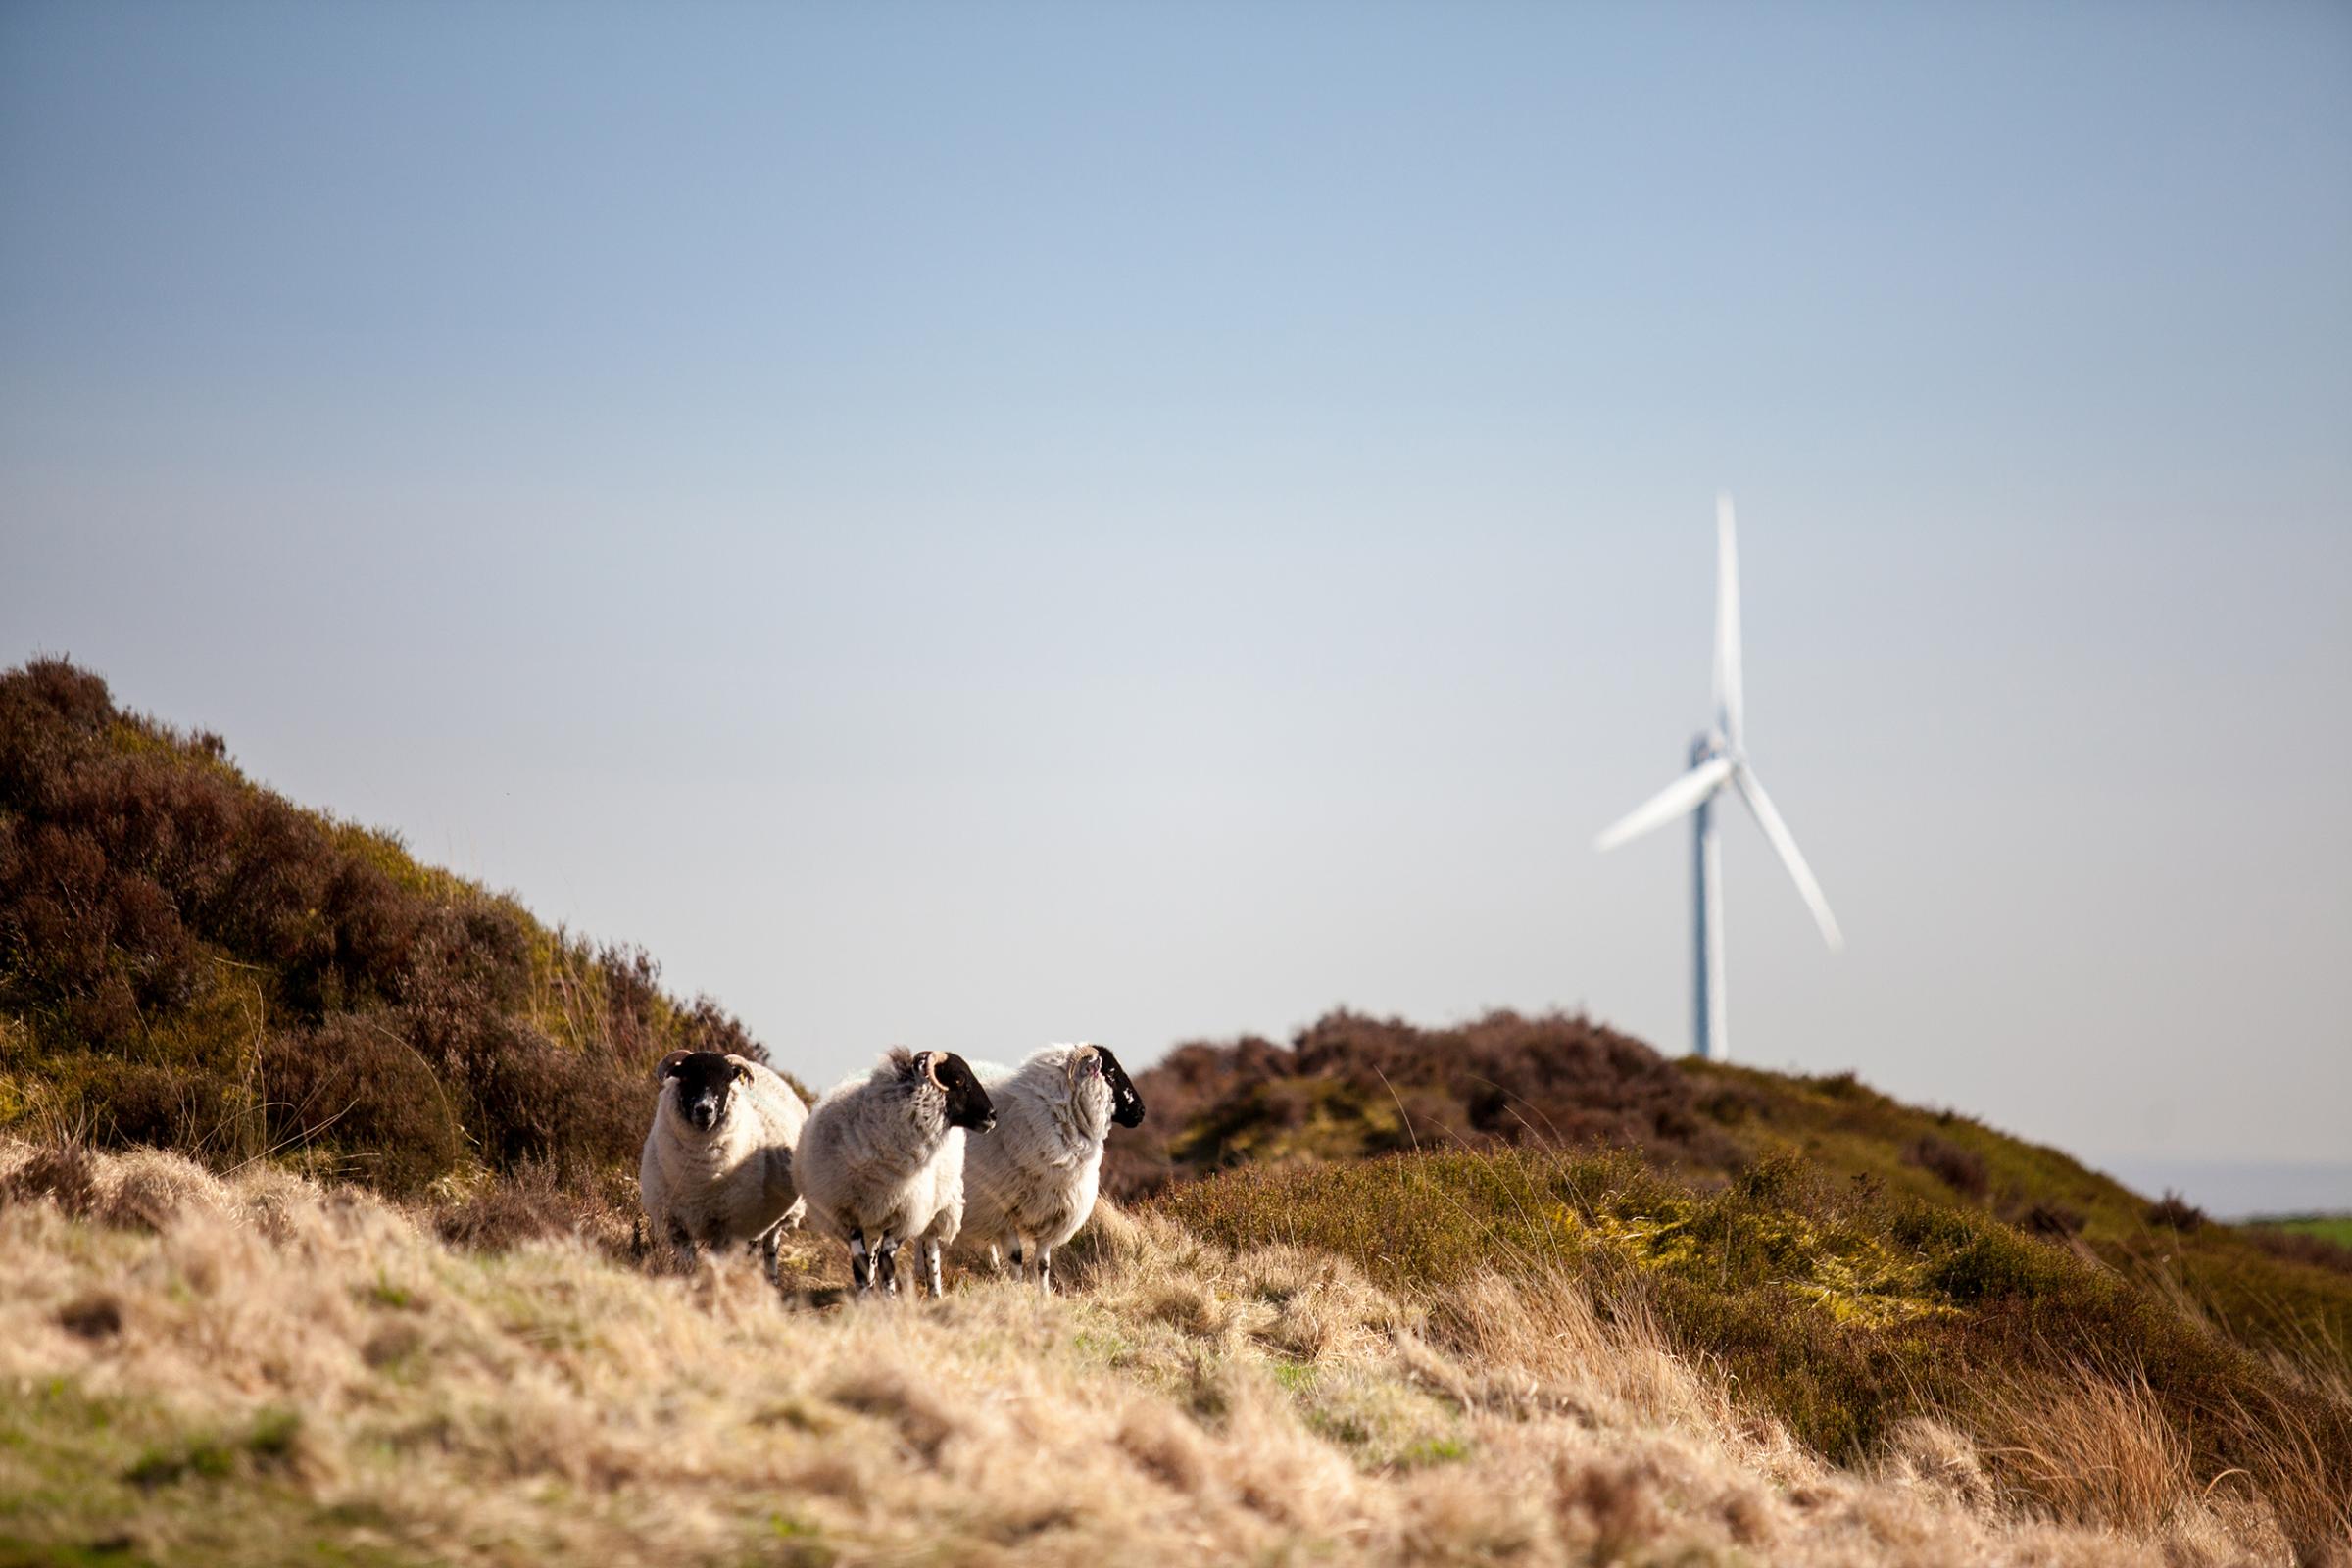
{"type": "Point", "coordinates": [1719, 757]}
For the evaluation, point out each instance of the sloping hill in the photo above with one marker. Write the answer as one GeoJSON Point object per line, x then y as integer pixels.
{"type": "Point", "coordinates": [189, 959]}
{"type": "Point", "coordinates": [1842, 1313]}
{"type": "Point", "coordinates": [1350, 1087]}
{"type": "Point", "coordinates": [1851, 1262]}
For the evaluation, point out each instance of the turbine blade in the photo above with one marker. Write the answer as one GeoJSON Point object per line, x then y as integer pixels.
{"type": "Point", "coordinates": [1729, 699]}
{"type": "Point", "coordinates": [1785, 842]}
{"type": "Point", "coordinates": [1669, 803]}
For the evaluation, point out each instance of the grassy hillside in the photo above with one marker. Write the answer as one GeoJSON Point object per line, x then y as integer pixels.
{"type": "Point", "coordinates": [187, 958]}
{"type": "Point", "coordinates": [1839, 1312]}
{"type": "Point", "coordinates": [261, 1371]}
{"type": "Point", "coordinates": [1351, 1087]}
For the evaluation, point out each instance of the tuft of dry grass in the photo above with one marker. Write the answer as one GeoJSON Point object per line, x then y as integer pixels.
{"type": "Point", "coordinates": [2092, 1447]}
{"type": "Point", "coordinates": [261, 1370]}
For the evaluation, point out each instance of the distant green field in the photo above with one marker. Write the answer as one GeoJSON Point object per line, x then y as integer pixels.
{"type": "Point", "coordinates": [2336, 1228]}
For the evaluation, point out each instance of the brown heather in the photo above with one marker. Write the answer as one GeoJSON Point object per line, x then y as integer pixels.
{"type": "Point", "coordinates": [188, 960]}
{"type": "Point", "coordinates": [1353, 1085]}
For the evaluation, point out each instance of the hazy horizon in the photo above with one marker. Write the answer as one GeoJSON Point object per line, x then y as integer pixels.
{"type": "Point", "coordinates": [974, 527]}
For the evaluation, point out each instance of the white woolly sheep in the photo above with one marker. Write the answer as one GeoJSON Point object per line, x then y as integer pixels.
{"type": "Point", "coordinates": [1030, 1185]}
{"type": "Point", "coordinates": [881, 1160]}
{"type": "Point", "coordinates": [718, 1160]}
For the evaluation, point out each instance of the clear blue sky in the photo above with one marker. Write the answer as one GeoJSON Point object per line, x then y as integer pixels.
{"type": "Point", "coordinates": [970, 526]}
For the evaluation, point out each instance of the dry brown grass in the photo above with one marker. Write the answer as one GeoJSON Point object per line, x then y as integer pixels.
{"type": "Point", "coordinates": [261, 1370]}
{"type": "Point", "coordinates": [2091, 1449]}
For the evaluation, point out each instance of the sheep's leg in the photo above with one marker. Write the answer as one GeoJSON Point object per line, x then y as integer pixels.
{"type": "Point", "coordinates": [886, 1264]}
{"type": "Point", "coordinates": [795, 1215]}
{"type": "Point", "coordinates": [861, 1273]}
{"type": "Point", "coordinates": [770, 1254]}
{"type": "Point", "coordinates": [681, 1246]}
{"type": "Point", "coordinates": [1044, 1269]}
{"type": "Point", "coordinates": [996, 1259]}
{"type": "Point", "coordinates": [932, 1279]}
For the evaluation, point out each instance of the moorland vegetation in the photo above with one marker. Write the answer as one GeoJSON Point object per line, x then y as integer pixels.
{"type": "Point", "coordinates": [318, 1221]}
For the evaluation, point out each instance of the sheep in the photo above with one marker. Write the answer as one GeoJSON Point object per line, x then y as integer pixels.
{"type": "Point", "coordinates": [1031, 1184]}
{"type": "Point", "coordinates": [719, 1159]}
{"type": "Point", "coordinates": [881, 1160]}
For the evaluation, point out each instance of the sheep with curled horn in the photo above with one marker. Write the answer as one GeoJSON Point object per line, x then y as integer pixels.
{"type": "Point", "coordinates": [1031, 1184]}
{"type": "Point", "coordinates": [718, 1166]}
{"type": "Point", "coordinates": [881, 1160]}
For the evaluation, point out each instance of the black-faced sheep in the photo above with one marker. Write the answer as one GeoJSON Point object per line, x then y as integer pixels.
{"type": "Point", "coordinates": [1030, 1185]}
{"type": "Point", "coordinates": [719, 1160]}
{"type": "Point", "coordinates": [881, 1160]}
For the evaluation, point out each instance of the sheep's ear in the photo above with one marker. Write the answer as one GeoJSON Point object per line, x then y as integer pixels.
{"type": "Point", "coordinates": [669, 1065]}
{"type": "Point", "coordinates": [743, 1070]}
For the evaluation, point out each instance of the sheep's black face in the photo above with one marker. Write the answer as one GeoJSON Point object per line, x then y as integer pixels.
{"type": "Point", "coordinates": [704, 1083]}
{"type": "Point", "coordinates": [1126, 1106]}
{"type": "Point", "coordinates": [967, 1102]}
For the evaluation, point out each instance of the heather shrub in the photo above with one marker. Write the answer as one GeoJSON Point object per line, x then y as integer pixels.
{"type": "Point", "coordinates": [1963, 1170]}
{"type": "Point", "coordinates": [2054, 1220]}
{"type": "Point", "coordinates": [150, 1103]}
{"type": "Point", "coordinates": [195, 960]}
{"type": "Point", "coordinates": [92, 943]}
{"type": "Point", "coordinates": [534, 1102]}
{"type": "Point", "coordinates": [363, 1099]}
{"type": "Point", "coordinates": [544, 1199]}
{"type": "Point", "coordinates": [1350, 1086]}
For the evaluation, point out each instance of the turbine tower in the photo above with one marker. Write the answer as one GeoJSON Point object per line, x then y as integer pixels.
{"type": "Point", "coordinates": [1719, 757]}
